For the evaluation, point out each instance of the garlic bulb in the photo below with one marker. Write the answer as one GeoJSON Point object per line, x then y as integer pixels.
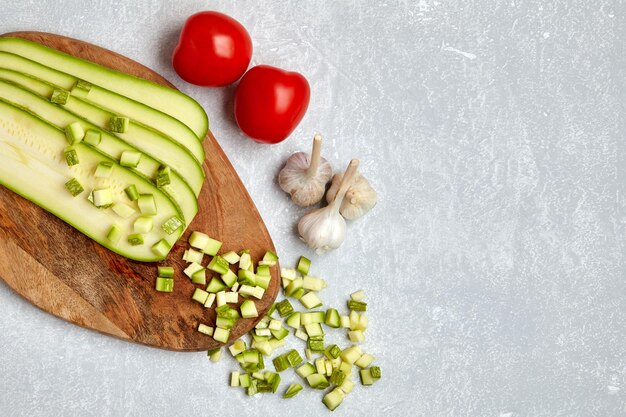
{"type": "Point", "coordinates": [325, 229]}
{"type": "Point", "coordinates": [305, 177]}
{"type": "Point", "coordinates": [360, 197]}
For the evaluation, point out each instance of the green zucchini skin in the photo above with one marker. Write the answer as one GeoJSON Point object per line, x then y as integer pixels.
{"type": "Point", "coordinates": [179, 190]}
{"type": "Point", "coordinates": [33, 166]}
{"type": "Point", "coordinates": [32, 74]}
{"type": "Point", "coordinates": [144, 138]}
{"type": "Point", "coordinates": [157, 96]}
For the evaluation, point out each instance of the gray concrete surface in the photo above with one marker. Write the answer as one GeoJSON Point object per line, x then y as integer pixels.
{"type": "Point", "coordinates": [494, 262]}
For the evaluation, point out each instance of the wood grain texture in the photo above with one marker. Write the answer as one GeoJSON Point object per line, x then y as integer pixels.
{"type": "Point", "coordinates": [63, 272]}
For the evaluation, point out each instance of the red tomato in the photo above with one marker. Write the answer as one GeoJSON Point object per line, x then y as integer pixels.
{"type": "Point", "coordinates": [213, 50]}
{"type": "Point", "coordinates": [270, 102]}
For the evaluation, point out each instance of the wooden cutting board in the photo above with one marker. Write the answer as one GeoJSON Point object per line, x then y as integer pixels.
{"type": "Point", "coordinates": [67, 274]}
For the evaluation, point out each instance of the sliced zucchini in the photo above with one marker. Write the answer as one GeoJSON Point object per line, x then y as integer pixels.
{"type": "Point", "coordinates": [140, 136]}
{"type": "Point", "coordinates": [109, 144]}
{"type": "Point", "coordinates": [31, 75]}
{"type": "Point", "coordinates": [33, 166]}
{"type": "Point", "coordinates": [157, 96]}
{"type": "Point", "coordinates": [146, 139]}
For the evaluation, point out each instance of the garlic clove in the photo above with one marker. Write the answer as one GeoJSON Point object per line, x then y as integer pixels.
{"type": "Point", "coordinates": [360, 197]}
{"type": "Point", "coordinates": [325, 229]}
{"type": "Point", "coordinates": [305, 177]}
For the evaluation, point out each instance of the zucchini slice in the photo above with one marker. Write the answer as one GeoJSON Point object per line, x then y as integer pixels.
{"type": "Point", "coordinates": [146, 140]}
{"type": "Point", "coordinates": [178, 190]}
{"type": "Point", "coordinates": [26, 72]}
{"type": "Point", "coordinates": [33, 166]}
{"type": "Point", "coordinates": [140, 137]}
{"type": "Point", "coordinates": [165, 99]}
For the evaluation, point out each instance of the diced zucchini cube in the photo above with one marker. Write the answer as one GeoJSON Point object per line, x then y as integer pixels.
{"type": "Point", "coordinates": [258, 292]}
{"type": "Point", "coordinates": [59, 96]}
{"type": "Point", "coordinates": [218, 264]}
{"type": "Point", "coordinates": [74, 187]}
{"type": "Point", "coordinates": [337, 377]}
{"type": "Point", "coordinates": [221, 335]}
{"type": "Point", "coordinates": [263, 270]}
{"type": "Point", "coordinates": [130, 159]}
{"type": "Point", "coordinates": [131, 192]}
{"type": "Point", "coordinates": [232, 297]}
{"type": "Point", "coordinates": [294, 320]}
{"type": "Point", "coordinates": [304, 264]}
{"type": "Point", "coordinates": [310, 300]}
{"type": "Point", "coordinates": [135, 239]}
{"type": "Point", "coordinates": [317, 381]}
{"type": "Point", "coordinates": [294, 358]}
{"type": "Point", "coordinates": [147, 204]}
{"type": "Point", "coordinates": [351, 354]}
{"type": "Point", "coordinates": [244, 380]}
{"type": "Point", "coordinates": [103, 170]}
{"type": "Point", "coordinates": [210, 300]}
{"type": "Point", "coordinates": [347, 386]}
{"type": "Point", "coordinates": [199, 277]}
{"type": "Point", "coordinates": [114, 235]}
{"type": "Point", "coordinates": [305, 370]}
{"type": "Point", "coordinates": [234, 379]}
{"type": "Point", "coordinates": [263, 281]}
{"type": "Point", "coordinates": [92, 137]}
{"type": "Point", "coordinates": [292, 391]}
{"type": "Point", "coordinates": [284, 308]}
{"type": "Point", "coordinates": [71, 157]}
{"type": "Point", "coordinates": [358, 295]}
{"type": "Point", "coordinates": [192, 268]}
{"type": "Point", "coordinates": [220, 298]}
{"type": "Point", "coordinates": [231, 257]}
{"type": "Point", "coordinates": [143, 225]}
{"type": "Point", "coordinates": [356, 336]}
{"type": "Point", "coordinates": [163, 177]}
{"type": "Point", "coordinates": [164, 284]}
{"type": "Point", "coordinates": [313, 284]}
{"type": "Point", "coordinates": [102, 197]}
{"type": "Point", "coordinates": [200, 296]}
{"type": "Point", "coordinates": [366, 377]}
{"type": "Point", "coordinates": [332, 318]}
{"type": "Point", "coordinates": [119, 124]}
{"type": "Point", "coordinates": [333, 399]}
{"type": "Point", "coordinates": [245, 262]}
{"type": "Point", "coordinates": [246, 277]}
{"type": "Point", "coordinates": [333, 352]}
{"type": "Point", "coordinates": [275, 325]}
{"type": "Point", "coordinates": [216, 285]}
{"type": "Point", "coordinates": [208, 330]}
{"type": "Point", "coordinates": [229, 278]}
{"type": "Point", "coordinates": [246, 290]}
{"type": "Point", "coordinates": [161, 248]}
{"type": "Point", "coordinates": [198, 240]}
{"type": "Point", "coordinates": [212, 246]}
{"type": "Point", "coordinates": [300, 334]}
{"type": "Point", "coordinates": [314, 329]}
{"type": "Point", "coordinates": [280, 334]}
{"type": "Point", "coordinates": [191, 255]}
{"type": "Point", "coordinates": [172, 225]}
{"type": "Point", "coordinates": [165, 271]}
{"type": "Point", "coordinates": [289, 274]}
{"type": "Point", "coordinates": [216, 354]}
{"type": "Point", "coordinates": [74, 133]}
{"type": "Point", "coordinates": [82, 85]}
